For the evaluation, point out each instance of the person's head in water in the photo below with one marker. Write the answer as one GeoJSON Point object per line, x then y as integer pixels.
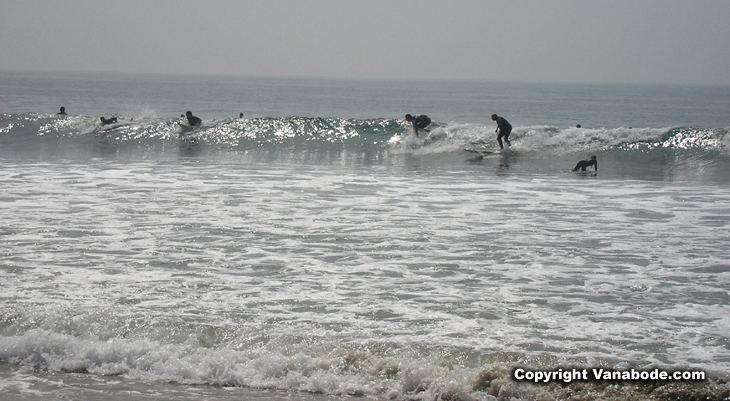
{"type": "Point", "coordinates": [409, 117]}
{"type": "Point", "coordinates": [188, 113]}
{"type": "Point", "coordinates": [63, 110]}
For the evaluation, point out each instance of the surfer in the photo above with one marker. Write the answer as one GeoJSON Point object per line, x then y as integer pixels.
{"type": "Point", "coordinates": [112, 120]}
{"type": "Point", "coordinates": [62, 112]}
{"type": "Point", "coordinates": [192, 120]}
{"type": "Point", "coordinates": [503, 130]}
{"type": "Point", "coordinates": [419, 122]}
{"type": "Point", "coordinates": [587, 163]}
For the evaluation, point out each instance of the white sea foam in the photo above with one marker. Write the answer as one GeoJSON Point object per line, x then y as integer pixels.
{"type": "Point", "coordinates": [302, 279]}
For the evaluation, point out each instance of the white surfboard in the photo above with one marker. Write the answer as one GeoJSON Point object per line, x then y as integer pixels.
{"type": "Point", "coordinates": [481, 151]}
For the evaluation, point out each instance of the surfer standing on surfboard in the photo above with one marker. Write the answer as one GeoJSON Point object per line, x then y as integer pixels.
{"type": "Point", "coordinates": [504, 128]}
{"type": "Point", "coordinates": [419, 122]}
{"type": "Point", "coordinates": [192, 120]}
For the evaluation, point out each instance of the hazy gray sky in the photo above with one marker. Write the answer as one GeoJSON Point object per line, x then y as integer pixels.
{"type": "Point", "coordinates": [653, 41]}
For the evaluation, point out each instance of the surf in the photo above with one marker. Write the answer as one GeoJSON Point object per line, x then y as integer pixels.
{"type": "Point", "coordinates": [681, 151]}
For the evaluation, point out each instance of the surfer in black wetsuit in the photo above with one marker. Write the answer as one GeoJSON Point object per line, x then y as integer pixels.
{"type": "Point", "coordinates": [192, 120]}
{"type": "Point", "coordinates": [62, 112]}
{"type": "Point", "coordinates": [419, 122]}
{"type": "Point", "coordinates": [587, 163]}
{"type": "Point", "coordinates": [504, 128]}
{"type": "Point", "coordinates": [112, 120]}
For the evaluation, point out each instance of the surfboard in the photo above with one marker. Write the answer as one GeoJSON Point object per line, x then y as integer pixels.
{"type": "Point", "coordinates": [187, 129]}
{"type": "Point", "coordinates": [480, 151]}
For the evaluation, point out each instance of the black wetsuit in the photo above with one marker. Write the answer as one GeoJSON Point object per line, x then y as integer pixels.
{"type": "Point", "coordinates": [583, 164]}
{"type": "Point", "coordinates": [192, 120]}
{"type": "Point", "coordinates": [504, 128]}
{"type": "Point", "coordinates": [421, 121]}
{"type": "Point", "coordinates": [112, 120]}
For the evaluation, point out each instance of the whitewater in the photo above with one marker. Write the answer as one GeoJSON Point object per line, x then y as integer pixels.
{"type": "Point", "coordinates": [315, 249]}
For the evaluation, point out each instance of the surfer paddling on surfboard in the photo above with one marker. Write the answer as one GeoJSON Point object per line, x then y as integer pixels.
{"type": "Point", "coordinates": [587, 163]}
{"type": "Point", "coordinates": [419, 122]}
{"type": "Point", "coordinates": [112, 120]}
{"type": "Point", "coordinates": [504, 128]}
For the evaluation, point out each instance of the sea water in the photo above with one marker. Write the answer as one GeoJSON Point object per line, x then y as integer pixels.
{"type": "Point", "coordinates": [317, 249]}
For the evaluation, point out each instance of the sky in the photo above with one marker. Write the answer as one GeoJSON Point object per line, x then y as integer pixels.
{"type": "Point", "coordinates": [581, 41]}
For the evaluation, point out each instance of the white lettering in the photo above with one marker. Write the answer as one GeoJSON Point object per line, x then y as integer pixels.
{"type": "Point", "coordinates": [568, 376]}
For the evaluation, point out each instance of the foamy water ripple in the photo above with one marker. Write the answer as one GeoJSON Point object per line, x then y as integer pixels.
{"type": "Point", "coordinates": [252, 268]}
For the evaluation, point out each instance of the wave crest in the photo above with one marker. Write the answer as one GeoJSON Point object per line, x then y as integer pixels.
{"type": "Point", "coordinates": [313, 134]}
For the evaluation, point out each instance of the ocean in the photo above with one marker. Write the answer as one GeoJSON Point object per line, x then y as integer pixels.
{"type": "Point", "coordinates": [316, 249]}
